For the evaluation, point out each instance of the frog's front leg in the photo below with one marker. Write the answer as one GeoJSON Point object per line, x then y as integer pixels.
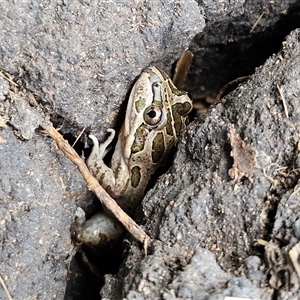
{"type": "Point", "coordinates": [95, 161]}
{"type": "Point", "coordinates": [104, 174]}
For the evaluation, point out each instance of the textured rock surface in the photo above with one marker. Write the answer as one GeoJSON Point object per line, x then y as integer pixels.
{"type": "Point", "coordinates": [238, 37]}
{"type": "Point", "coordinates": [38, 189]}
{"type": "Point", "coordinates": [77, 60]}
{"type": "Point", "coordinates": [205, 223]}
{"type": "Point", "coordinates": [88, 53]}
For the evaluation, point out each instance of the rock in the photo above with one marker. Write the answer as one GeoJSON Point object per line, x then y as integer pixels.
{"type": "Point", "coordinates": [196, 207]}
{"type": "Point", "coordinates": [73, 62]}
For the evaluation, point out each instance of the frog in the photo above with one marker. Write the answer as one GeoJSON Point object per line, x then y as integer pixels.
{"type": "Point", "coordinates": [156, 114]}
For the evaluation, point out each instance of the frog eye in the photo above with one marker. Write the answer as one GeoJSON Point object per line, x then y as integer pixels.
{"type": "Point", "coordinates": [152, 115]}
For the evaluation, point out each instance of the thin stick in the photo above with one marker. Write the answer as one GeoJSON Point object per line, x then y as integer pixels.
{"type": "Point", "coordinates": [7, 78]}
{"type": "Point", "coordinates": [227, 85]}
{"type": "Point", "coordinates": [94, 186]}
{"type": "Point", "coordinates": [256, 22]}
{"type": "Point", "coordinates": [283, 100]}
{"type": "Point", "coordinates": [80, 134]}
{"type": "Point", "coordinates": [182, 68]}
{"type": "Point", "coordinates": [5, 289]}
{"type": "Point", "coordinates": [294, 256]}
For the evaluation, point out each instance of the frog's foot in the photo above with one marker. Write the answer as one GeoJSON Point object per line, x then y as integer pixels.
{"type": "Point", "coordinates": [80, 216]}
{"type": "Point", "coordinates": [101, 150]}
{"type": "Point", "coordinates": [76, 234]}
{"type": "Point", "coordinates": [77, 227]}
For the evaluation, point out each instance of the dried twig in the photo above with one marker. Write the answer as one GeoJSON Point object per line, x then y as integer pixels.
{"type": "Point", "coordinates": [80, 134]}
{"type": "Point", "coordinates": [227, 85]}
{"type": "Point", "coordinates": [8, 79]}
{"type": "Point", "coordinates": [256, 22]}
{"type": "Point", "coordinates": [94, 186]}
{"type": "Point", "coordinates": [279, 88]}
{"type": "Point", "coordinates": [182, 68]}
{"type": "Point", "coordinates": [294, 256]}
{"type": "Point", "coordinates": [5, 289]}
